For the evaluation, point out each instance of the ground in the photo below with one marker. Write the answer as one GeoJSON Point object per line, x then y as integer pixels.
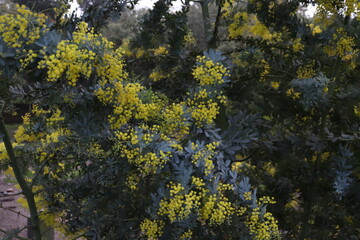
{"type": "Point", "coordinates": [12, 215]}
{"type": "Point", "coordinates": [11, 211]}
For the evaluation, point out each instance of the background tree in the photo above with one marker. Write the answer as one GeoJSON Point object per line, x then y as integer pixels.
{"type": "Point", "coordinates": [125, 27]}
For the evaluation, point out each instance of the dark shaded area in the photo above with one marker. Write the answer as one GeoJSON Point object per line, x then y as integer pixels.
{"type": "Point", "coordinates": [15, 116]}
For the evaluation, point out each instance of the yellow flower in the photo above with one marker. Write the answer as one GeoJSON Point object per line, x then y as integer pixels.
{"type": "Point", "coordinates": [152, 229]}
{"type": "Point", "coordinates": [315, 29]}
{"type": "Point", "coordinates": [275, 85]}
{"type": "Point", "coordinates": [245, 25]}
{"type": "Point", "coordinates": [156, 75]}
{"type": "Point", "coordinates": [208, 72]}
{"type": "Point", "coordinates": [162, 50]}
{"type": "Point", "coordinates": [297, 45]}
{"type": "Point", "coordinates": [22, 27]}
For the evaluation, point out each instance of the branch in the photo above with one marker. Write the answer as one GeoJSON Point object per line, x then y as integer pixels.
{"type": "Point", "coordinates": [263, 44]}
{"type": "Point", "coordinates": [20, 177]}
{"type": "Point", "coordinates": [18, 237]}
{"type": "Point", "coordinates": [11, 210]}
{"type": "Point", "coordinates": [79, 236]}
{"type": "Point", "coordinates": [2, 194]}
{"type": "Point", "coordinates": [40, 191]}
{"type": "Point", "coordinates": [213, 41]}
{"type": "Point", "coordinates": [38, 173]}
{"type": "Point", "coordinates": [241, 160]}
{"type": "Point", "coordinates": [5, 164]}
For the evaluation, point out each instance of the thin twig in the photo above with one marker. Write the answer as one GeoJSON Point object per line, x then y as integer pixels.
{"type": "Point", "coordinates": [214, 40]}
{"type": "Point", "coordinates": [241, 160]}
{"type": "Point", "coordinates": [38, 173]}
{"type": "Point", "coordinates": [18, 237]}
{"type": "Point", "coordinates": [10, 195]}
{"type": "Point", "coordinates": [79, 236]}
{"type": "Point", "coordinates": [11, 210]}
{"type": "Point", "coordinates": [40, 191]}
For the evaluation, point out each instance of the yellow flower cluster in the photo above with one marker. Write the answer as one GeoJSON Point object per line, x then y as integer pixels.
{"type": "Point", "coordinates": [208, 72]}
{"type": "Point", "coordinates": [269, 168]}
{"type": "Point", "coordinates": [266, 69]}
{"type": "Point", "coordinates": [294, 202]}
{"type": "Point", "coordinates": [291, 93]}
{"type": "Point", "coordinates": [111, 66]}
{"type": "Point", "coordinates": [69, 59]}
{"type": "Point", "coordinates": [130, 136]}
{"type": "Point", "coordinates": [146, 163]}
{"type": "Point", "coordinates": [198, 182]}
{"type": "Point", "coordinates": [248, 25]}
{"type": "Point", "coordinates": [74, 58]}
{"type": "Point", "coordinates": [96, 150]}
{"type": "Point", "coordinates": [217, 209]}
{"type": "Point", "coordinates": [203, 110]}
{"type": "Point", "coordinates": [157, 75]}
{"type": "Point", "coordinates": [22, 27]}
{"type": "Point", "coordinates": [228, 8]}
{"type": "Point", "coordinates": [124, 48]}
{"type": "Point", "coordinates": [50, 135]}
{"type": "Point", "coordinates": [162, 50]}
{"type": "Point", "coordinates": [357, 110]}
{"type": "Point", "coordinates": [53, 137]}
{"type": "Point", "coordinates": [206, 154]}
{"type": "Point", "coordinates": [22, 135]}
{"type": "Point", "coordinates": [85, 36]}
{"type": "Point", "coordinates": [126, 101]}
{"type": "Point", "coordinates": [186, 235]}
{"type": "Point", "coordinates": [212, 209]}
{"type": "Point", "coordinates": [247, 196]}
{"type": "Point", "coordinates": [275, 85]}
{"type": "Point", "coordinates": [297, 45]}
{"type": "Point", "coordinates": [175, 189]}
{"type": "Point", "coordinates": [343, 46]}
{"type": "Point", "coordinates": [242, 166]}
{"type": "Point", "coordinates": [348, 7]}
{"type": "Point", "coordinates": [189, 39]}
{"type": "Point", "coordinates": [152, 229]}
{"type": "Point", "coordinates": [175, 123]}
{"type": "Point", "coordinates": [55, 117]}
{"type": "Point", "coordinates": [315, 29]}
{"type": "Point", "coordinates": [132, 181]}
{"type": "Point", "coordinates": [37, 112]}
{"type": "Point", "coordinates": [139, 53]}
{"type": "Point", "coordinates": [179, 206]}
{"type": "Point", "coordinates": [29, 57]}
{"type": "Point", "coordinates": [306, 71]}
{"type": "Point", "coordinates": [262, 227]}
{"type": "Point", "coordinates": [128, 104]}
{"type": "Point", "coordinates": [150, 162]}
{"type": "Point", "coordinates": [3, 153]}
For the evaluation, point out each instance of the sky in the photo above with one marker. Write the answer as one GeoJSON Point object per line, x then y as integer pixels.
{"type": "Point", "coordinates": [177, 5]}
{"type": "Point", "coordinates": [150, 3]}
{"type": "Point", "coordinates": [141, 4]}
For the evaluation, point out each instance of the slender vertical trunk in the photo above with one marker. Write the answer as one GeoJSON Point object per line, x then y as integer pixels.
{"type": "Point", "coordinates": [206, 19]}
{"type": "Point", "coordinates": [25, 187]}
{"type": "Point", "coordinates": [213, 43]}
